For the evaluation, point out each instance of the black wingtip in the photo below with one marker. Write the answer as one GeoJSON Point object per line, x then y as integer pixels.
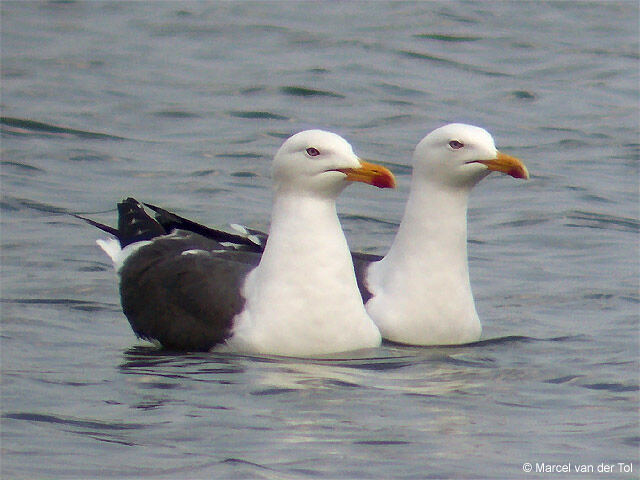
{"type": "Point", "coordinates": [134, 224]}
{"type": "Point", "coordinates": [171, 221]}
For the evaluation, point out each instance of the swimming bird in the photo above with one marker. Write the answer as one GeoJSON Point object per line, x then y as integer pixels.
{"type": "Point", "coordinates": [189, 292]}
{"type": "Point", "coordinates": [420, 293]}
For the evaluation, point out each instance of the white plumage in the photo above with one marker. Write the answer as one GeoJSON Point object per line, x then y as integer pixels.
{"type": "Point", "coordinates": [302, 299]}
{"type": "Point", "coordinates": [421, 289]}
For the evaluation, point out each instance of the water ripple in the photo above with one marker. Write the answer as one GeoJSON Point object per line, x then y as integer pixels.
{"type": "Point", "coordinates": [179, 114]}
{"type": "Point", "coordinates": [20, 126]}
{"type": "Point", "coordinates": [252, 114]}
{"type": "Point", "coordinates": [16, 203]}
{"type": "Point", "coordinates": [24, 167]}
{"type": "Point", "coordinates": [583, 219]}
{"type": "Point", "coordinates": [452, 63]}
{"type": "Point", "coordinates": [74, 422]}
{"type": "Point", "coordinates": [447, 38]}
{"type": "Point", "coordinates": [82, 305]}
{"type": "Point", "coordinates": [308, 92]}
{"type": "Point", "coordinates": [612, 387]}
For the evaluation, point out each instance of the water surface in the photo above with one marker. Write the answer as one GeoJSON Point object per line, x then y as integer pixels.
{"type": "Point", "coordinates": [183, 104]}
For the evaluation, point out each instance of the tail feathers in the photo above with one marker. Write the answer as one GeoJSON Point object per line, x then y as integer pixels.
{"type": "Point", "coordinates": [111, 247]}
{"type": "Point", "coordinates": [134, 224]}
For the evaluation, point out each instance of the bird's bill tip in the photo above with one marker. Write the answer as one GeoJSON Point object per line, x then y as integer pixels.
{"type": "Point", "coordinates": [370, 173]}
{"type": "Point", "coordinates": [507, 164]}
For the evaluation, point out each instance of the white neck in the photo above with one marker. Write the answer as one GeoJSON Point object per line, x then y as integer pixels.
{"type": "Point", "coordinates": [421, 289]}
{"type": "Point", "coordinates": [303, 298]}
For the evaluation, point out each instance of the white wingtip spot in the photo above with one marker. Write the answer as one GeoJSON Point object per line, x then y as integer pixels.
{"type": "Point", "coordinates": [239, 228]}
{"type": "Point", "coordinates": [255, 239]}
{"type": "Point", "coordinates": [194, 252]}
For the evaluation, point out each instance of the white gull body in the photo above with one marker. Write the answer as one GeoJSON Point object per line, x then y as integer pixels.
{"type": "Point", "coordinates": [303, 298]}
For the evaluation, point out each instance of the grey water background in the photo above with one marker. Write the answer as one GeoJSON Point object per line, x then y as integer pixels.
{"type": "Point", "coordinates": [183, 104]}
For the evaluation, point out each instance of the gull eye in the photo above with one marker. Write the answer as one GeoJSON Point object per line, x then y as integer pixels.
{"type": "Point", "coordinates": [313, 152]}
{"type": "Point", "coordinates": [455, 144]}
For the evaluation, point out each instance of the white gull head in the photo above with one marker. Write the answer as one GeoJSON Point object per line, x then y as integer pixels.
{"type": "Point", "coordinates": [460, 155]}
{"type": "Point", "coordinates": [316, 162]}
